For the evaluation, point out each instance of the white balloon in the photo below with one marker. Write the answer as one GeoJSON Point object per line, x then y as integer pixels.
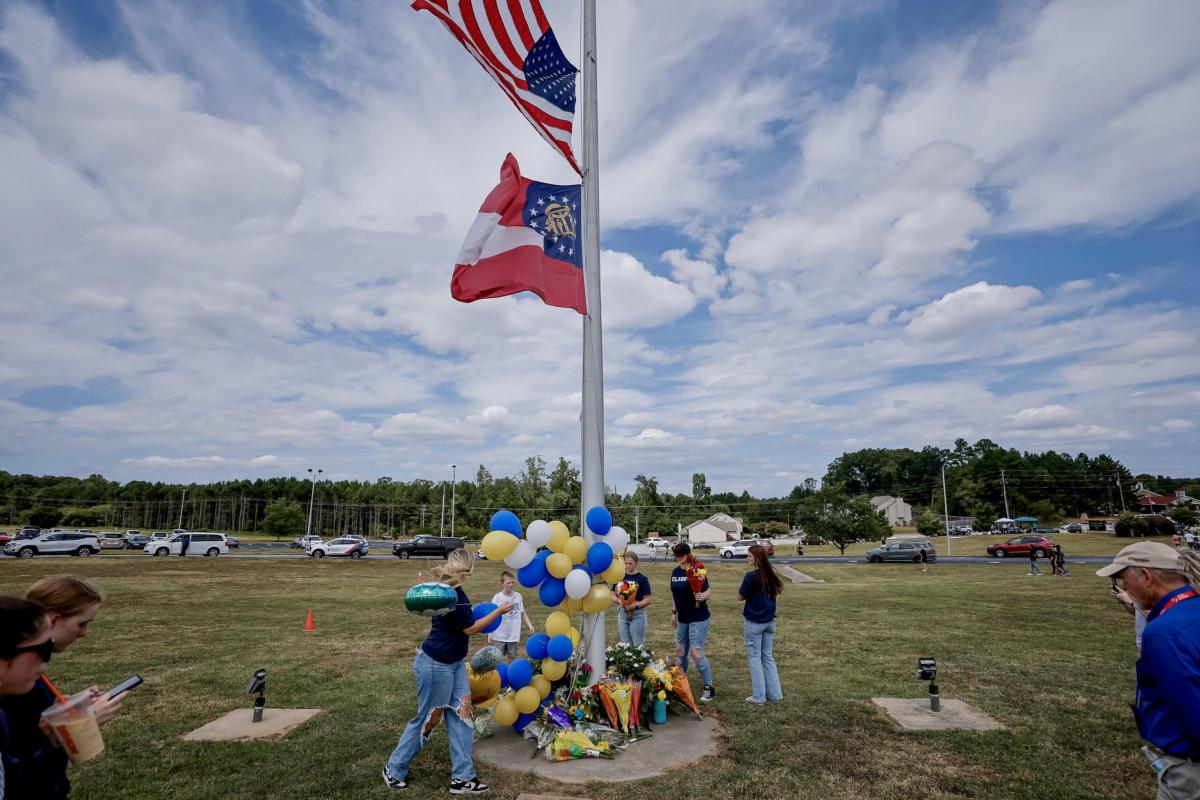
{"type": "Point", "coordinates": [617, 539]}
{"type": "Point", "coordinates": [521, 555]}
{"type": "Point", "coordinates": [577, 583]}
{"type": "Point", "coordinates": [537, 533]}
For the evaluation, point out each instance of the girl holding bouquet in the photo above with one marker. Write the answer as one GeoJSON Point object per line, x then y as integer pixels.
{"type": "Point", "coordinates": [760, 586]}
{"type": "Point", "coordinates": [632, 595]}
{"type": "Point", "coordinates": [689, 590]}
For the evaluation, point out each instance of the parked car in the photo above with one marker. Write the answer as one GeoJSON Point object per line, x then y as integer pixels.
{"type": "Point", "coordinates": [27, 532]}
{"type": "Point", "coordinates": [1021, 545]}
{"type": "Point", "coordinates": [902, 551]}
{"type": "Point", "coordinates": [703, 546]}
{"type": "Point", "coordinates": [136, 541]}
{"type": "Point", "coordinates": [346, 546]}
{"type": "Point", "coordinates": [736, 549]}
{"type": "Point", "coordinates": [199, 544]}
{"type": "Point", "coordinates": [441, 546]}
{"type": "Point", "coordinates": [768, 545]}
{"type": "Point", "coordinates": [302, 542]}
{"type": "Point", "coordinates": [161, 536]}
{"type": "Point", "coordinates": [59, 543]}
{"type": "Point", "coordinates": [232, 541]}
{"type": "Point", "coordinates": [1074, 527]}
{"type": "Point", "coordinates": [5, 537]}
{"type": "Point", "coordinates": [111, 540]}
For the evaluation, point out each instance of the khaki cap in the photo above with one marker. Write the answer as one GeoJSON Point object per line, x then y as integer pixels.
{"type": "Point", "coordinates": [1151, 555]}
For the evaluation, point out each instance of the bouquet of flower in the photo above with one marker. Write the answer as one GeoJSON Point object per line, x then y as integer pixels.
{"type": "Point", "coordinates": [696, 573]}
{"type": "Point", "coordinates": [627, 660]}
{"type": "Point", "coordinates": [627, 592]}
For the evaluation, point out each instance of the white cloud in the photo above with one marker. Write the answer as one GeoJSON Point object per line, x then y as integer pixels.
{"type": "Point", "coordinates": [1051, 416]}
{"type": "Point", "coordinates": [633, 297]}
{"type": "Point", "coordinates": [1178, 425]}
{"type": "Point", "coordinates": [979, 305]}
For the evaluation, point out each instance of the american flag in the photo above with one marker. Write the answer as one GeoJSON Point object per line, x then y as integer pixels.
{"type": "Point", "coordinates": [513, 42]}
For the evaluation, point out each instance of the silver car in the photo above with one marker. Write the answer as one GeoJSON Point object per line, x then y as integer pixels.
{"type": "Point", "coordinates": [55, 543]}
{"type": "Point", "coordinates": [901, 551]}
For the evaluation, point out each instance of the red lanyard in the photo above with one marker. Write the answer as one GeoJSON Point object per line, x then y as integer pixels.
{"type": "Point", "coordinates": [1179, 598]}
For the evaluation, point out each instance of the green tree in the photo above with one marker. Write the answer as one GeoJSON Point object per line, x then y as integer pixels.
{"type": "Point", "coordinates": [928, 523]}
{"type": "Point", "coordinates": [836, 517]}
{"type": "Point", "coordinates": [283, 519]}
{"type": "Point", "coordinates": [701, 493]}
{"type": "Point", "coordinates": [1184, 516]}
{"type": "Point", "coordinates": [43, 517]}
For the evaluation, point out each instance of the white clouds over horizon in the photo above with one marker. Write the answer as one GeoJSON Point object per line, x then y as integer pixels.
{"type": "Point", "coordinates": [245, 242]}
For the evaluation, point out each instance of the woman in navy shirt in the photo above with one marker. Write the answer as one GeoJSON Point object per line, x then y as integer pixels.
{"type": "Point", "coordinates": [690, 619]}
{"type": "Point", "coordinates": [632, 602]}
{"type": "Point", "coordinates": [759, 588]}
{"type": "Point", "coordinates": [442, 685]}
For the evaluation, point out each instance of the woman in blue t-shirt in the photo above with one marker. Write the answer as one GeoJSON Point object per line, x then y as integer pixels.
{"type": "Point", "coordinates": [690, 619]}
{"type": "Point", "coordinates": [442, 685]}
{"type": "Point", "coordinates": [760, 587]}
{"type": "Point", "coordinates": [632, 595]}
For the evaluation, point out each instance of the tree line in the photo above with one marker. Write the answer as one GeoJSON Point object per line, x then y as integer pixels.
{"type": "Point", "coordinates": [983, 480]}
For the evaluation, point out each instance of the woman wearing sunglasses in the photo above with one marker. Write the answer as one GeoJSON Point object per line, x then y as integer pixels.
{"type": "Point", "coordinates": [25, 647]}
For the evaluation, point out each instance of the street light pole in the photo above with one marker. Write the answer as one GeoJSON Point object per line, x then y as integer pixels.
{"type": "Point", "coordinates": [946, 508]}
{"type": "Point", "coordinates": [311, 495]}
{"type": "Point", "coordinates": [442, 523]}
{"type": "Point", "coordinates": [181, 503]}
{"type": "Point", "coordinates": [453, 489]}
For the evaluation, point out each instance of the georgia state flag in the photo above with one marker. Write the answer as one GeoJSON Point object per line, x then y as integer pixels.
{"type": "Point", "coordinates": [526, 238]}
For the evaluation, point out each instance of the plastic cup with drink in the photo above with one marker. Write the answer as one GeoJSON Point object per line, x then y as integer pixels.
{"type": "Point", "coordinates": [74, 724]}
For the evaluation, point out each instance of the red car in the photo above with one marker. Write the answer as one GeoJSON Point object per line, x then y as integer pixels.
{"type": "Point", "coordinates": [5, 537]}
{"type": "Point", "coordinates": [766, 543]}
{"type": "Point", "coordinates": [1021, 545]}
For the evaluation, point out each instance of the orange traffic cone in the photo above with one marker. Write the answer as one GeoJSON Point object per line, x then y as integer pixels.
{"type": "Point", "coordinates": [310, 624]}
{"type": "Point", "coordinates": [420, 577]}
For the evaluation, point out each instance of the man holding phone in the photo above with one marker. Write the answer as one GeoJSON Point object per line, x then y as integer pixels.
{"type": "Point", "coordinates": [1168, 673]}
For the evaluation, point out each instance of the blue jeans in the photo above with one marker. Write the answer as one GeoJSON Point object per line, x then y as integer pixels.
{"type": "Point", "coordinates": [631, 625]}
{"type": "Point", "coordinates": [764, 678]}
{"type": "Point", "coordinates": [442, 692]}
{"type": "Point", "coordinates": [693, 636]}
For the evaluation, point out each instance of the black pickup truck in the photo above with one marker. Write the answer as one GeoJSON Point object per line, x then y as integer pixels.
{"type": "Point", "coordinates": [440, 546]}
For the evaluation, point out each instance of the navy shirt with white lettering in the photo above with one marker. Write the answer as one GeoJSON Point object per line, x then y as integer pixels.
{"type": "Point", "coordinates": [685, 598]}
{"type": "Point", "coordinates": [446, 641]}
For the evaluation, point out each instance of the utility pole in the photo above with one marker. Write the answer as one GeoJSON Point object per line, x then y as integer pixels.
{"type": "Point", "coordinates": [637, 527]}
{"type": "Point", "coordinates": [311, 496]}
{"type": "Point", "coordinates": [946, 508]}
{"type": "Point", "coordinates": [453, 491]}
{"type": "Point", "coordinates": [1004, 488]}
{"type": "Point", "coordinates": [442, 523]}
{"type": "Point", "coordinates": [423, 507]}
{"type": "Point", "coordinates": [181, 504]}
{"type": "Point", "coordinates": [1121, 489]}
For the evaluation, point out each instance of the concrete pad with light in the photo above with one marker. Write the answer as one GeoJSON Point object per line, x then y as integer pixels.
{"type": "Point", "coordinates": [237, 726]}
{"type": "Point", "coordinates": [915, 715]}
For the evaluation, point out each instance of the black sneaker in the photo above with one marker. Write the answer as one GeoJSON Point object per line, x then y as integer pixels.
{"type": "Point", "coordinates": [469, 786]}
{"type": "Point", "coordinates": [709, 694]}
{"type": "Point", "coordinates": [394, 783]}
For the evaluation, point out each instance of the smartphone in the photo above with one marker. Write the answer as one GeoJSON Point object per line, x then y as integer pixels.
{"type": "Point", "coordinates": [124, 686]}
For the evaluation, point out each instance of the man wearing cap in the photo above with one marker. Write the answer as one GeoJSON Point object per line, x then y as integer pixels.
{"type": "Point", "coordinates": [1167, 708]}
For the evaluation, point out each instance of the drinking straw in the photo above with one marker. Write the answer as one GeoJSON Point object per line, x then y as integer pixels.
{"type": "Point", "coordinates": [50, 684]}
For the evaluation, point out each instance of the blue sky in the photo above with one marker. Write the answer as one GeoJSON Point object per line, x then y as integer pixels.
{"type": "Point", "coordinates": [229, 229]}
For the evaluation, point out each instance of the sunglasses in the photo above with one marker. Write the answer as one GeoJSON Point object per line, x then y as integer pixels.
{"type": "Point", "coordinates": [44, 650]}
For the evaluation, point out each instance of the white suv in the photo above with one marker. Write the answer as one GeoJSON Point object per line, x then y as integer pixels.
{"type": "Point", "coordinates": [55, 543]}
{"type": "Point", "coordinates": [737, 549]}
{"type": "Point", "coordinates": [656, 543]}
{"type": "Point", "coordinates": [199, 544]}
{"type": "Point", "coordinates": [352, 547]}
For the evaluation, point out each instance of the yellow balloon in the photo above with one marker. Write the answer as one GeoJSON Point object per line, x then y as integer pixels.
{"type": "Point", "coordinates": [527, 700]}
{"type": "Point", "coordinates": [558, 624]}
{"type": "Point", "coordinates": [574, 634]}
{"type": "Point", "coordinates": [558, 565]}
{"type": "Point", "coordinates": [553, 669]}
{"type": "Point", "coordinates": [616, 571]}
{"type": "Point", "coordinates": [484, 687]}
{"type": "Point", "coordinates": [576, 549]}
{"type": "Point", "coordinates": [506, 712]}
{"type": "Point", "coordinates": [559, 533]}
{"type": "Point", "coordinates": [571, 605]}
{"type": "Point", "coordinates": [498, 545]}
{"type": "Point", "coordinates": [597, 599]}
{"type": "Point", "coordinates": [542, 684]}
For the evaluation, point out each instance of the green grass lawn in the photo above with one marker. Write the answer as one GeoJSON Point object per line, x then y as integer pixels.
{"type": "Point", "coordinates": [1052, 658]}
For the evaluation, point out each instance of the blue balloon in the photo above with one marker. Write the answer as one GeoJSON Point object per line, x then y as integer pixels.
{"type": "Point", "coordinates": [523, 722]}
{"type": "Point", "coordinates": [482, 610]}
{"type": "Point", "coordinates": [520, 673]}
{"type": "Point", "coordinates": [535, 647]}
{"type": "Point", "coordinates": [505, 520]}
{"type": "Point", "coordinates": [502, 670]}
{"type": "Point", "coordinates": [599, 557]}
{"type": "Point", "coordinates": [599, 521]}
{"type": "Point", "coordinates": [560, 648]}
{"type": "Point", "coordinates": [552, 591]}
{"type": "Point", "coordinates": [532, 573]}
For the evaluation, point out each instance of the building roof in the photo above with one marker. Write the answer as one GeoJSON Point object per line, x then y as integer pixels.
{"type": "Point", "coordinates": [718, 520]}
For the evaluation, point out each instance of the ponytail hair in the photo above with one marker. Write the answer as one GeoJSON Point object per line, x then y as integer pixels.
{"type": "Point", "coordinates": [64, 595]}
{"type": "Point", "coordinates": [768, 579]}
{"type": "Point", "coordinates": [458, 567]}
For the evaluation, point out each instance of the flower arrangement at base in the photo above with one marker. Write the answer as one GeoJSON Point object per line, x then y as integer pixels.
{"type": "Point", "coordinates": [627, 660]}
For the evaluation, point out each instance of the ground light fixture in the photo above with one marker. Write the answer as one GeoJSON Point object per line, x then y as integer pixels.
{"type": "Point", "coordinates": [258, 685]}
{"type": "Point", "coordinates": [927, 671]}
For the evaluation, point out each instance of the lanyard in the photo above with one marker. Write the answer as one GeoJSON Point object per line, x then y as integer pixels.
{"type": "Point", "coordinates": [1179, 598]}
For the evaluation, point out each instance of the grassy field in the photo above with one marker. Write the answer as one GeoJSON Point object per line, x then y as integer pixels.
{"type": "Point", "coordinates": [1052, 658]}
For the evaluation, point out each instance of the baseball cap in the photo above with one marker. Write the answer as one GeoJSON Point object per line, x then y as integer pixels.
{"type": "Point", "coordinates": [1151, 555]}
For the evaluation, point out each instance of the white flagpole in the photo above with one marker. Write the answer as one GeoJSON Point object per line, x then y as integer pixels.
{"type": "Point", "coordinates": [592, 418]}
